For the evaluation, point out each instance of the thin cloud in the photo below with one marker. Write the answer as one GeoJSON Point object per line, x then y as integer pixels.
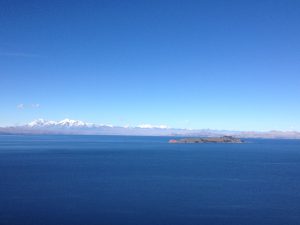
{"type": "Point", "coordinates": [21, 106]}
{"type": "Point", "coordinates": [35, 105]}
{"type": "Point", "coordinates": [28, 106]}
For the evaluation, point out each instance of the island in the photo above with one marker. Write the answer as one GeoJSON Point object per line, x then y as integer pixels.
{"type": "Point", "coordinates": [224, 139]}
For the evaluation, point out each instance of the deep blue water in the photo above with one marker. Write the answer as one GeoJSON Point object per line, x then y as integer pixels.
{"type": "Point", "coordinates": [114, 180]}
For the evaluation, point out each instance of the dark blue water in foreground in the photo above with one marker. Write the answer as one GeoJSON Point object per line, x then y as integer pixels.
{"type": "Point", "coordinates": [73, 180]}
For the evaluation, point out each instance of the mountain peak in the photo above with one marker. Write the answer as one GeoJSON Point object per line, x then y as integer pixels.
{"type": "Point", "coordinates": [69, 122]}
{"type": "Point", "coordinates": [63, 123]}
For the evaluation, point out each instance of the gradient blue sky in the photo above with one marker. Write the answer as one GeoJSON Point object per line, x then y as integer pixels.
{"type": "Point", "coordinates": [193, 64]}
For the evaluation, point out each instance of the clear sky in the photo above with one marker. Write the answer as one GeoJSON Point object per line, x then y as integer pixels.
{"type": "Point", "coordinates": [192, 64]}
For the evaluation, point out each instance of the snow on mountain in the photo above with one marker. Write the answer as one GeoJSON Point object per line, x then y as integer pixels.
{"type": "Point", "coordinates": [62, 123]}
{"type": "Point", "coordinates": [41, 123]}
{"type": "Point", "coordinates": [68, 126]}
{"type": "Point", "coordinates": [71, 123]}
{"type": "Point", "coordinates": [149, 126]}
{"type": "Point", "coordinates": [65, 123]}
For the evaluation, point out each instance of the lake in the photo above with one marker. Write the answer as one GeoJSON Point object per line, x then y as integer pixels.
{"type": "Point", "coordinates": [114, 180]}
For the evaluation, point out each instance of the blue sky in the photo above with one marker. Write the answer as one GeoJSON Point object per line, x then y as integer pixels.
{"type": "Point", "coordinates": [192, 64]}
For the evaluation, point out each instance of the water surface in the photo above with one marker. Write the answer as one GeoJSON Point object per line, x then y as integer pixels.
{"type": "Point", "coordinates": [112, 180]}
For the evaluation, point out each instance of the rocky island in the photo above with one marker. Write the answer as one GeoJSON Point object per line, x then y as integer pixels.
{"type": "Point", "coordinates": [224, 139]}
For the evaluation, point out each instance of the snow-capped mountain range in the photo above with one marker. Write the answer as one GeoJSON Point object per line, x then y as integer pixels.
{"type": "Point", "coordinates": [69, 126]}
{"type": "Point", "coordinates": [69, 123]}
{"type": "Point", "coordinates": [62, 123]}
